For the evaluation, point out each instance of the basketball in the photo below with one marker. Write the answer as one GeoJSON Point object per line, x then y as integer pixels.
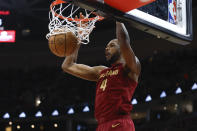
{"type": "Point", "coordinates": [63, 45]}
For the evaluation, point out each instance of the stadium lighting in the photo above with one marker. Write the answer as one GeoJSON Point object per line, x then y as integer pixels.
{"type": "Point", "coordinates": [78, 127]}
{"type": "Point", "coordinates": [37, 101]}
{"type": "Point", "coordinates": [163, 94]}
{"type": "Point", "coordinates": [134, 102]}
{"type": "Point", "coordinates": [178, 91]}
{"type": "Point", "coordinates": [6, 116]}
{"type": "Point", "coordinates": [18, 127]}
{"type": "Point", "coordinates": [71, 111]}
{"type": "Point", "coordinates": [55, 125]}
{"type": "Point", "coordinates": [10, 123]}
{"type": "Point", "coordinates": [22, 115]}
{"type": "Point", "coordinates": [38, 114]}
{"type": "Point", "coordinates": [194, 87]}
{"type": "Point", "coordinates": [148, 98]}
{"type": "Point", "coordinates": [32, 126]}
{"type": "Point", "coordinates": [55, 113]}
{"type": "Point", "coordinates": [86, 109]}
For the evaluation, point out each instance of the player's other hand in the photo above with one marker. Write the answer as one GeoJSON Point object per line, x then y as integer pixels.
{"type": "Point", "coordinates": [81, 23]}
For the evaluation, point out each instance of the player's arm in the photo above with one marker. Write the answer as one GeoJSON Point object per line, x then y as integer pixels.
{"type": "Point", "coordinates": [124, 41]}
{"type": "Point", "coordinates": [80, 70]}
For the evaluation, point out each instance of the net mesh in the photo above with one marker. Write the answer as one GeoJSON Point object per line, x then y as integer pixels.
{"type": "Point", "coordinates": [63, 19]}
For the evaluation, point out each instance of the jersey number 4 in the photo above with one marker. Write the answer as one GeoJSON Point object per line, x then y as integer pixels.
{"type": "Point", "coordinates": [103, 84]}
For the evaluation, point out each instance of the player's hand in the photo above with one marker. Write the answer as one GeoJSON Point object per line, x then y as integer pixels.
{"type": "Point", "coordinates": [82, 24]}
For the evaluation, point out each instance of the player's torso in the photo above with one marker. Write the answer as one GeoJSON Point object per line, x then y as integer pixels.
{"type": "Point", "coordinates": [114, 92]}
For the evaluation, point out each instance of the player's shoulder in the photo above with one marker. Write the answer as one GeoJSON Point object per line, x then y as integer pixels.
{"type": "Point", "coordinates": [100, 68]}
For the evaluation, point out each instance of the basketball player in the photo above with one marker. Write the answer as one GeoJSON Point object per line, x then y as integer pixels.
{"type": "Point", "coordinates": [115, 85]}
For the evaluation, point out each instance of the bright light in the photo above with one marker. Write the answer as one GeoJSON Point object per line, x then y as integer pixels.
{"type": "Point", "coordinates": [37, 101]}
{"type": "Point", "coordinates": [86, 109]}
{"type": "Point", "coordinates": [38, 114]}
{"type": "Point", "coordinates": [6, 116]}
{"type": "Point", "coordinates": [18, 127]}
{"type": "Point", "coordinates": [148, 98]}
{"type": "Point", "coordinates": [8, 128]}
{"type": "Point", "coordinates": [22, 115]}
{"type": "Point", "coordinates": [7, 36]}
{"type": "Point", "coordinates": [134, 102]}
{"type": "Point", "coordinates": [6, 12]}
{"type": "Point", "coordinates": [194, 87]}
{"type": "Point", "coordinates": [71, 111]}
{"type": "Point", "coordinates": [32, 126]}
{"type": "Point", "coordinates": [178, 90]}
{"type": "Point", "coordinates": [165, 108]}
{"type": "Point", "coordinates": [55, 125]}
{"type": "Point", "coordinates": [10, 123]}
{"type": "Point", "coordinates": [55, 113]}
{"type": "Point", "coordinates": [78, 127]}
{"type": "Point", "coordinates": [163, 94]}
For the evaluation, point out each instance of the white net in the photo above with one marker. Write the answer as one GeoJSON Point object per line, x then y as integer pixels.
{"type": "Point", "coordinates": [63, 19]}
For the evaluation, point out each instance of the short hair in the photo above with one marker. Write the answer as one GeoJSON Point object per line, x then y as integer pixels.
{"type": "Point", "coordinates": [115, 39]}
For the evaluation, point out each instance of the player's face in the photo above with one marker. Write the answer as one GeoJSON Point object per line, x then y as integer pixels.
{"type": "Point", "coordinates": [112, 50]}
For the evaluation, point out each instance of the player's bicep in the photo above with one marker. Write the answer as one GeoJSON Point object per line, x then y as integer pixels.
{"type": "Point", "coordinates": [126, 50]}
{"type": "Point", "coordinates": [83, 71]}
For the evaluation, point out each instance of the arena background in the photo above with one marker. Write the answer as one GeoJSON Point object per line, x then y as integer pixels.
{"type": "Point", "coordinates": [32, 82]}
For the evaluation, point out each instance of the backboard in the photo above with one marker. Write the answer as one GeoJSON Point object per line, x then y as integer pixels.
{"type": "Point", "coordinates": [167, 19]}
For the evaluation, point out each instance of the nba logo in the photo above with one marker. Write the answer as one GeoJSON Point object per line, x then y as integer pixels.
{"type": "Point", "coordinates": [172, 11]}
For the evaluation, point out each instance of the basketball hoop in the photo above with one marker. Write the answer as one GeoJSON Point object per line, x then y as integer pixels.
{"type": "Point", "coordinates": [63, 19]}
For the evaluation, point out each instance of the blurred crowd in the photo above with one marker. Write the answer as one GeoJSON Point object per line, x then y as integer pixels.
{"type": "Point", "coordinates": [166, 72]}
{"type": "Point", "coordinates": [184, 122]}
{"type": "Point", "coordinates": [161, 71]}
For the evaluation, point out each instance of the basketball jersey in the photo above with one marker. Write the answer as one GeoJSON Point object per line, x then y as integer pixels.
{"type": "Point", "coordinates": [113, 93]}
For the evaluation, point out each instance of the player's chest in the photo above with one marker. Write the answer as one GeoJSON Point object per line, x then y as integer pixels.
{"type": "Point", "coordinates": [109, 80]}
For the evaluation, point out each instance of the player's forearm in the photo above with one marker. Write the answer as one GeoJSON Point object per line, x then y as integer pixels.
{"type": "Point", "coordinates": [122, 33]}
{"type": "Point", "coordinates": [127, 52]}
{"type": "Point", "coordinates": [76, 52]}
{"type": "Point", "coordinates": [69, 60]}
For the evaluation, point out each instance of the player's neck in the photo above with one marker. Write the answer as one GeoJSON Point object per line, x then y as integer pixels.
{"type": "Point", "coordinates": [118, 61]}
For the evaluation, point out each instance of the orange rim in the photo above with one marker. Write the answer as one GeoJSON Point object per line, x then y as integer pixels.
{"type": "Point", "coordinates": [58, 2]}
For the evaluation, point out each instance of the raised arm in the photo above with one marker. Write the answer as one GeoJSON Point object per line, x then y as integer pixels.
{"type": "Point", "coordinates": [128, 55]}
{"type": "Point", "coordinates": [80, 70]}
